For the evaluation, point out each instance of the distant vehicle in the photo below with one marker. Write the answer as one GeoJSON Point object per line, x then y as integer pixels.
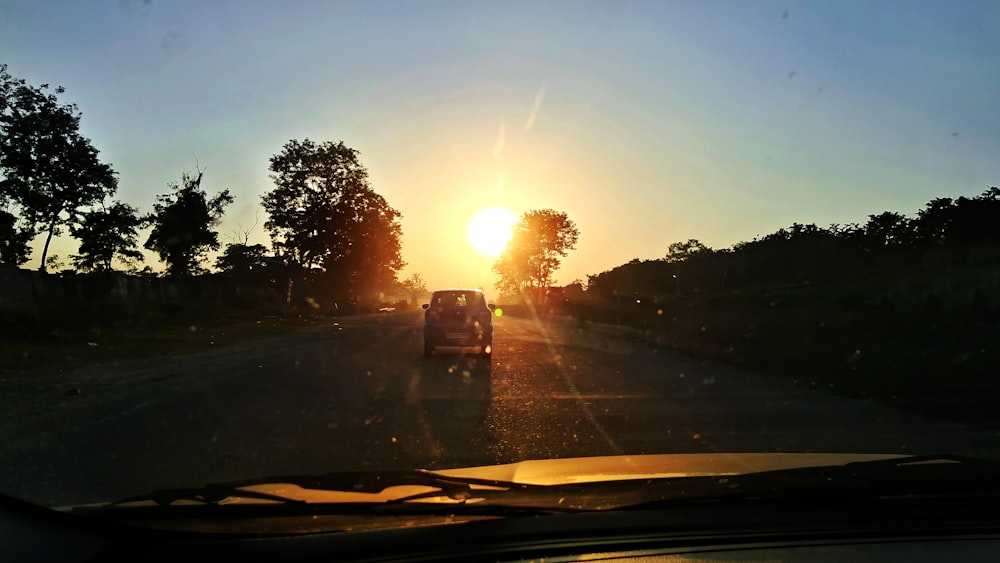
{"type": "Point", "coordinates": [458, 318]}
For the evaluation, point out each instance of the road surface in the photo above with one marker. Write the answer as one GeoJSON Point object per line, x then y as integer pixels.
{"type": "Point", "coordinates": [357, 393]}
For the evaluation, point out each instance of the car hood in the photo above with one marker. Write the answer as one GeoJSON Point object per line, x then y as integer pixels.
{"type": "Point", "coordinates": [567, 471]}
{"type": "Point", "coordinates": [437, 486]}
{"type": "Point", "coordinates": [623, 467]}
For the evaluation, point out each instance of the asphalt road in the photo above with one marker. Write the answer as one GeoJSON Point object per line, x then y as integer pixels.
{"type": "Point", "coordinates": [358, 394]}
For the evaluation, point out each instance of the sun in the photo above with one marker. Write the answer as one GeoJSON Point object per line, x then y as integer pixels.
{"type": "Point", "coordinates": [490, 229]}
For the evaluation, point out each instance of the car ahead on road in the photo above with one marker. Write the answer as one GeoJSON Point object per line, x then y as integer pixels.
{"type": "Point", "coordinates": [458, 318]}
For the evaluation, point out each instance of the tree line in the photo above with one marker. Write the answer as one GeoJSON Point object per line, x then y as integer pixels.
{"type": "Point", "coordinates": [327, 225]}
{"type": "Point", "coordinates": [945, 234]}
{"type": "Point", "coordinates": [329, 228]}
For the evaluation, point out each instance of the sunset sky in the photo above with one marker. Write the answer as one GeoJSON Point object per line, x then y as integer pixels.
{"type": "Point", "coordinates": [646, 122]}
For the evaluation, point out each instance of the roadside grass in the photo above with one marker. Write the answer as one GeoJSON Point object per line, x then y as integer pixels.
{"type": "Point", "coordinates": [908, 342]}
{"type": "Point", "coordinates": [85, 333]}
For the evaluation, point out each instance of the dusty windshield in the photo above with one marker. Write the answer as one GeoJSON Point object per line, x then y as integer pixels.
{"type": "Point", "coordinates": [701, 227]}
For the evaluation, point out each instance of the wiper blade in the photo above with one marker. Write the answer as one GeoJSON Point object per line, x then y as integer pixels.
{"type": "Point", "coordinates": [907, 476]}
{"type": "Point", "coordinates": [913, 475]}
{"type": "Point", "coordinates": [211, 494]}
{"type": "Point", "coordinates": [455, 488]}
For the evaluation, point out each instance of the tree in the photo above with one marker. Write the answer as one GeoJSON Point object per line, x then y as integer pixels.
{"type": "Point", "coordinates": [934, 222]}
{"type": "Point", "coordinates": [183, 222]}
{"type": "Point", "coordinates": [105, 234]}
{"type": "Point", "coordinates": [964, 221]}
{"type": "Point", "coordinates": [886, 230]}
{"type": "Point", "coordinates": [55, 263]}
{"type": "Point", "coordinates": [539, 240]}
{"type": "Point", "coordinates": [14, 239]}
{"type": "Point", "coordinates": [681, 251]}
{"type": "Point", "coordinates": [976, 220]}
{"type": "Point", "coordinates": [324, 218]}
{"type": "Point", "coordinates": [415, 287]}
{"type": "Point", "coordinates": [240, 259]}
{"type": "Point", "coordinates": [52, 173]}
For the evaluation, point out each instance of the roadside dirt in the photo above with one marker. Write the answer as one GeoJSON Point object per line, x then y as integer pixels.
{"type": "Point", "coordinates": [50, 397]}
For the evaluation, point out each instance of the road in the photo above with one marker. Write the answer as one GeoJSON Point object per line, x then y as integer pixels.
{"type": "Point", "coordinates": [356, 393]}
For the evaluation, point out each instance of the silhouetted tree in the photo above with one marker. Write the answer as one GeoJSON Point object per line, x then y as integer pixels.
{"type": "Point", "coordinates": [647, 278]}
{"type": "Point", "coordinates": [888, 242]}
{"type": "Point", "coordinates": [934, 221]}
{"type": "Point", "coordinates": [963, 221]}
{"type": "Point", "coordinates": [242, 261]}
{"type": "Point", "coordinates": [324, 218]}
{"type": "Point", "coordinates": [975, 220]}
{"type": "Point", "coordinates": [14, 239]}
{"type": "Point", "coordinates": [52, 172]}
{"type": "Point", "coordinates": [681, 251]}
{"type": "Point", "coordinates": [183, 222]}
{"type": "Point", "coordinates": [539, 240]}
{"type": "Point", "coordinates": [799, 253]}
{"type": "Point", "coordinates": [574, 289]}
{"type": "Point", "coordinates": [887, 230]}
{"type": "Point", "coordinates": [105, 234]}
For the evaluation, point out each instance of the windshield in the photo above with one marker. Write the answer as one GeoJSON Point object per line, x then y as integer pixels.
{"type": "Point", "coordinates": [230, 234]}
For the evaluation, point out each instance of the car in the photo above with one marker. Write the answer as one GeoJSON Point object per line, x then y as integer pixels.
{"type": "Point", "coordinates": [458, 318]}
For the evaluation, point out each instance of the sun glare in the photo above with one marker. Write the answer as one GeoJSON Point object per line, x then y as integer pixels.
{"type": "Point", "coordinates": [490, 230]}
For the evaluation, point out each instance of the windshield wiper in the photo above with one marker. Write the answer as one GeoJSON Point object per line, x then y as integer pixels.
{"type": "Point", "coordinates": [893, 477]}
{"type": "Point", "coordinates": [910, 477]}
{"type": "Point", "coordinates": [455, 488]}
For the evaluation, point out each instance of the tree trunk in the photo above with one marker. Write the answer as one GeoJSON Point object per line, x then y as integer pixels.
{"type": "Point", "coordinates": [48, 239]}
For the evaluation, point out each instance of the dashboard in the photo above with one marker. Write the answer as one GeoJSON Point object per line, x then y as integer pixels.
{"type": "Point", "coordinates": [907, 529]}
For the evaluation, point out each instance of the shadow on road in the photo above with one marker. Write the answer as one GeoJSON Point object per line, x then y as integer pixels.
{"type": "Point", "coordinates": [451, 396]}
{"type": "Point", "coordinates": [457, 379]}
{"type": "Point", "coordinates": [472, 363]}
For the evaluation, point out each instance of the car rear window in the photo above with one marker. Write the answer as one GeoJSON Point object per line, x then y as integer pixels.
{"type": "Point", "coordinates": [456, 299]}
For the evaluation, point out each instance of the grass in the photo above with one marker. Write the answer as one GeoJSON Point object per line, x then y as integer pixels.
{"type": "Point", "coordinates": [97, 332]}
{"type": "Point", "coordinates": [857, 339]}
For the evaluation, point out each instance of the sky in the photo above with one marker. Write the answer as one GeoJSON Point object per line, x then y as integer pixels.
{"type": "Point", "coordinates": [645, 122]}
